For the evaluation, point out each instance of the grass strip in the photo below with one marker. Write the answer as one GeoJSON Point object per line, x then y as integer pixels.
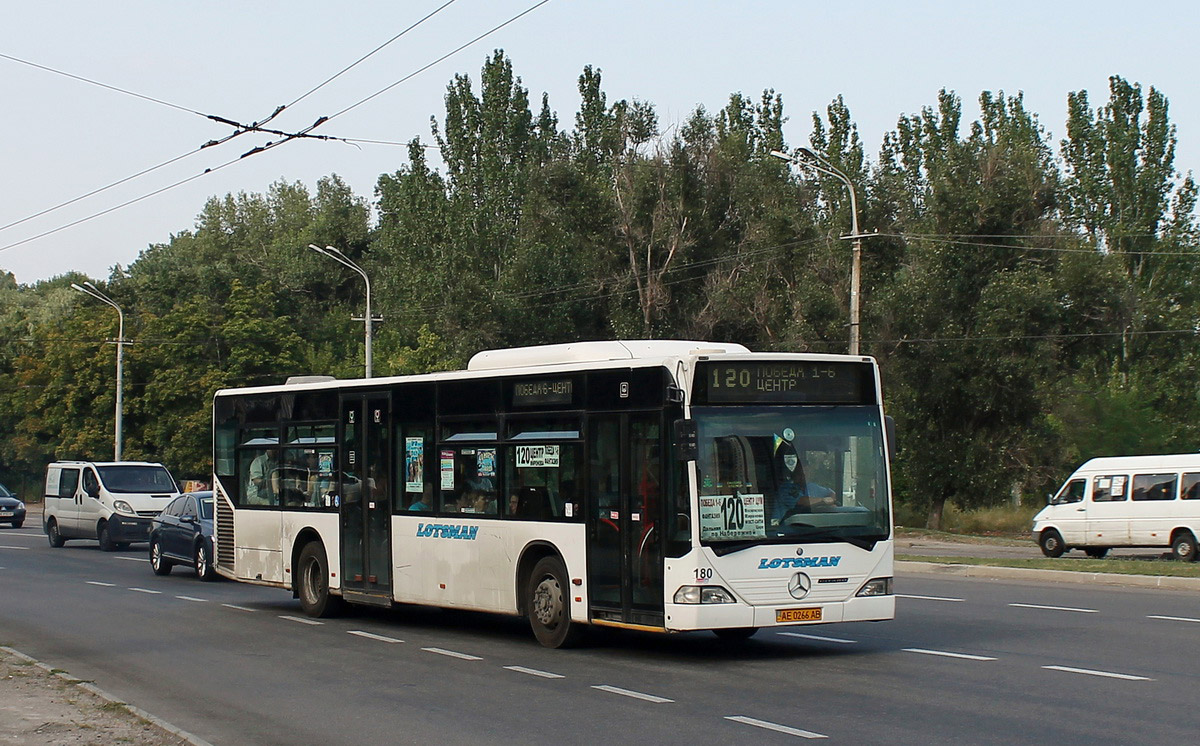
{"type": "Point", "coordinates": [1161, 568]}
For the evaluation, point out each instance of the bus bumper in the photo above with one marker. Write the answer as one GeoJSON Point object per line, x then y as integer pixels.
{"type": "Point", "coordinates": [686, 617]}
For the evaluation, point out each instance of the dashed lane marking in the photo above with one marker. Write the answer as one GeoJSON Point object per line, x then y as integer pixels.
{"type": "Point", "coordinates": [145, 590]}
{"type": "Point", "coordinates": [774, 726]}
{"type": "Point", "coordinates": [948, 654]}
{"type": "Point", "coordinates": [819, 638]}
{"type": "Point", "coordinates": [5, 546]}
{"type": "Point", "coordinates": [300, 619]}
{"type": "Point", "coordinates": [134, 559]}
{"type": "Point", "coordinates": [633, 694]}
{"type": "Point", "coordinates": [535, 672]}
{"type": "Point", "coordinates": [453, 654]}
{"type": "Point", "coordinates": [372, 636]}
{"type": "Point", "coordinates": [1105, 674]}
{"type": "Point", "coordinates": [104, 585]}
{"type": "Point", "coordinates": [931, 598]}
{"type": "Point", "coordinates": [192, 598]}
{"type": "Point", "coordinates": [239, 608]}
{"type": "Point", "coordinates": [1055, 608]}
{"type": "Point", "coordinates": [1172, 618]}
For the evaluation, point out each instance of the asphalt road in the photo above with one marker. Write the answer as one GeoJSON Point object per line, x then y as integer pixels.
{"type": "Point", "coordinates": [966, 661]}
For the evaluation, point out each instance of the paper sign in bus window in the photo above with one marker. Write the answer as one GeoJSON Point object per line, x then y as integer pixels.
{"type": "Point", "coordinates": [735, 516]}
{"type": "Point", "coordinates": [447, 470]}
{"type": "Point", "coordinates": [414, 464]}
{"type": "Point", "coordinates": [533, 457]}
{"type": "Point", "coordinates": [486, 462]}
{"type": "Point", "coordinates": [325, 463]}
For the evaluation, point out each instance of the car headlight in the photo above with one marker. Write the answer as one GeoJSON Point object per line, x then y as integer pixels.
{"type": "Point", "coordinates": [876, 587]}
{"type": "Point", "coordinates": [703, 594]}
{"type": "Point", "coordinates": [20, 505]}
{"type": "Point", "coordinates": [123, 507]}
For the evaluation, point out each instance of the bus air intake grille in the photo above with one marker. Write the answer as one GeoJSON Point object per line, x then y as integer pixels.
{"type": "Point", "coordinates": [224, 532]}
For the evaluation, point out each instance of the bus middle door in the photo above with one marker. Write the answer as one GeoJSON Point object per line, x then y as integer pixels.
{"type": "Point", "coordinates": [366, 498]}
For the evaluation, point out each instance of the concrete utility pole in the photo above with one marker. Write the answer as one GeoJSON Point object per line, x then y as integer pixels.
{"type": "Point", "coordinates": [87, 288]}
{"type": "Point", "coordinates": [342, 259]}
{"type": "Point", "coordinates": [810, 159]}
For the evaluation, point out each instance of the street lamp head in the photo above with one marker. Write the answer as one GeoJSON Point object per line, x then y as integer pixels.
{"type": "Point", "coordinates": [77, 286]}
{"type": "Point", "coordinates": [782, 155]}
{"type": "Point", "coordinates": [809, 152]}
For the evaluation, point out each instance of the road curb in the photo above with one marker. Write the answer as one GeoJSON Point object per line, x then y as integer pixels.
{"type": "Point", "coordinates": [148, 717]}
{"type": "Point", "coordinates": [1058, 576]}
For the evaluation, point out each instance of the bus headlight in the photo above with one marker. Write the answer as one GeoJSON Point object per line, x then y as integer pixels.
{"type": "Point", "coordinates": [703, 594]}
{"type": "Point", "coordinates": [123, 507]}
{"type": "Point", "coordinates": [876, 587]}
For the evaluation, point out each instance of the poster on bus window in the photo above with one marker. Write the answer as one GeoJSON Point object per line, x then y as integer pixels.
{"type": "Point", "coordinates": [447, 470]}
{"type": "Point", "coordinates": [736, 516]}
{"type": "Point", "coordinates": [486, 462]}
{"type": "Point", "coordinates": [414, 464]}
{"type": "Point", "coordinates": [537, 457]}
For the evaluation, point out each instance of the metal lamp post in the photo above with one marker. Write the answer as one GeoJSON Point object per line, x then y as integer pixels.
{"type": "Point", "coordinates": [342, 259]}
{"type": "Point", "coordinates": [820, 163]}
{"type": "Point", "coordinates": [88, 288]}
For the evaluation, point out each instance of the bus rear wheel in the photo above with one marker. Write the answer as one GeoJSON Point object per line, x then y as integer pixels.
{"type": "Point", "coordinates": [547, 600]}
{"type": "Point", "coordinates": [1183, 546]}
{"type": "Point", "coordinates": [1051, 543]}
{"type": "Point", "coordinates": [313, 580]}
{"type": "Point", "coordinates": [733, 634]}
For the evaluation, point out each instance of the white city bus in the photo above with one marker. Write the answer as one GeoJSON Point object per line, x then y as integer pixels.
{"type": "Point", "coordinates": [654, 485]}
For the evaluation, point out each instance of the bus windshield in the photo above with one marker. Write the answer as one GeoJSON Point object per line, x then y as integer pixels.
{"type": "Point", "coordinates": [791, 473]}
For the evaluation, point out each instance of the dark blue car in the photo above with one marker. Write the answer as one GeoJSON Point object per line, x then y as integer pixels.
{"type": "Point", "coordinates": [182, 535]}
{"type": "Point", "coordinates": [12, 510]}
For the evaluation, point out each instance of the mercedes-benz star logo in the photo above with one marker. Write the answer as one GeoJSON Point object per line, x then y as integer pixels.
{"type": "Point", "coordinates": [799, 585]}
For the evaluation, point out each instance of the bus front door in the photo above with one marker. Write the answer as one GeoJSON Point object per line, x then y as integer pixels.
{"type": "Point", "coordinates": [366, 497]}
{"type": "Point", "coordinates": [625, 561]}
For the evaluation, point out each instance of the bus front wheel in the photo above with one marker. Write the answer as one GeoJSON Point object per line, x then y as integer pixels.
{"type": "Point", "coordinates": [734, 634]}
{"type": "Point", "coordinates": [313, 579]}
{"type": "Point", "coordinates": [547, 599]}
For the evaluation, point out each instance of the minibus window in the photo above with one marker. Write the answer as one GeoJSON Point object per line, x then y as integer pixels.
{"type": "Point", "coordinates": [1071, 493]}
{"type": "Point", "coordinates": [1154, 486]}
{"type": "Point", "coordinates": [1191, 487]}
{"type": "Point", "coordinates": [1109, 489]}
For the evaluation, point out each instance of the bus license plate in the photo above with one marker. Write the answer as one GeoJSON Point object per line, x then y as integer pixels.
{"type": "Point", "coordinates": [785, 616]}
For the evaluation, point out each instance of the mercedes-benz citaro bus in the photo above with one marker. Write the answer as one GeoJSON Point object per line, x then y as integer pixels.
{"type": "Point", "coordinates": [652, 485]}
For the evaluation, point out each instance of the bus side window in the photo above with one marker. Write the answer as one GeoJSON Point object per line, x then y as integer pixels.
{"type": "Point", "coordinates": [1072, 492]}
{"type": "Point", "coordinates": [1107, 489]}
{"type": "Point", "coordinates": [1190, 489]}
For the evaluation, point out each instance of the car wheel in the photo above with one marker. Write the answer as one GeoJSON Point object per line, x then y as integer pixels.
{"type": "Point", "coordinates": [1096, 552]}
{"type": "Point", "coordinates": [56, 539]}
{"type": "Point", "coordinates": [18, 524]}
{"type": "Point", "coordinates": [105, 538]}
{"type": "Point", "coordinates": [1051, 543]}
{"type": "Point", "coordinates": [547, 601]}
{"type": "Point", "coordinates": [203, 563]}
{"type": "Point", "coordinates": [1183, 546]}
{"type": "Point", "coordinates": [313, 579]}
{"type": "Point", "coordinates": [158, 563]}
{"type": "Point", "coordinates": [733, 634]}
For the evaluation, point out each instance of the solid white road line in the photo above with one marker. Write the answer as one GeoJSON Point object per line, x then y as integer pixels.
{"type": "Point", "coordinates": [372, 636]}
{"type": "Point", "coordinates": [1054, 608]}
{"type": "Point", "coordinates": [1105, 674]}
{"type": "Point", "coordinates": [535, 672]}
{"type": "Point", "coordinates": [930, 598]}
{"type": "Point", "coordinates": [947, 654]}
{"type": "Point", "coordinates": [453, 654]}
{"type": "Point", "coordinates": [300, 619]}
{"type": "Point", "coordinates": [192, 598]}
{"type": "Point", "coordinates": [235, 606]}
{"type": "Point", "coordinates": [97, 582]}
{"type": "Point", "coordinates": [1172, 618]}
{"type": "Point", "coordinates": [819, 638]}
{"type": "Point", "coordinates": [145, 590]}
{"type": "Point", "coordinates": [635, 695]}
{"type": "Point", "coordinates": [774, 726]}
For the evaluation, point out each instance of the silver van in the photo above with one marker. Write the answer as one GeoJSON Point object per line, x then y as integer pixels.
{"type": "Point", "coordinates": [112, 502]}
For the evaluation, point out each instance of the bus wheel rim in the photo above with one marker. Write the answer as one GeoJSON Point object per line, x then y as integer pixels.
{"type": "Point", "coordinates": [547, 602]}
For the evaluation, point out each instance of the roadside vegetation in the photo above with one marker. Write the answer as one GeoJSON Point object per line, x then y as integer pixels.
{"type": "Point", "coordinates": [1161, 567]}
{"type": "Point", "coordinates": [1030, 294]}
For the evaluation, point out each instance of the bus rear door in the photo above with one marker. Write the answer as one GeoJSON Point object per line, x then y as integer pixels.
{"type": "Point", "coordinates": [366, 497]}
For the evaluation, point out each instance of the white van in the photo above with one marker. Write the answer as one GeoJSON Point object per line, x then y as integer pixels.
{"type": "Point", "coordinates": [111, 502]}
{"type": "Point", "coordinates": [1125, 501]}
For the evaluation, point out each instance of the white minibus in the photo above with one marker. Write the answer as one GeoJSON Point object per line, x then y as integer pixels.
{"type": "Point", "coordinates": [1125, 501]}
{"type": "Point", "coordinates": [111, 502]}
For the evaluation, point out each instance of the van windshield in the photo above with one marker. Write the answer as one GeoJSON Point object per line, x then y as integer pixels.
{"type": "Point", "coordinates": [136, 479]}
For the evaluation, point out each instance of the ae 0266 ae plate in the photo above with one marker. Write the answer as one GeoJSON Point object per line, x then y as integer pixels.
{"type": "Point", "coordinates": [787, 616]}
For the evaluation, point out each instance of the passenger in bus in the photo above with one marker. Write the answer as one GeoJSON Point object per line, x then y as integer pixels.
{"type": "Point", "coordinates": [795, 493]}
{"type": "Point", "coordinates": [263, 485]}
{"type": "Point", "coordinates": [424, 502]}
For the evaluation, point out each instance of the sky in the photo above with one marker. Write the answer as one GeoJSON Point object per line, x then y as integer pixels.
{"type": "Point", "coordinates": [63, 138]}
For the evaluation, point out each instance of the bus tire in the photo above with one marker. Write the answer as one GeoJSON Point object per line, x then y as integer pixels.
{"type": "Point", "coordinates": [159, 564]}
{"type": "Point", "coordinates": [1096, 552]}
{"type": "Point", "coordinates": [735, 634]}
{"type": "Point", "coordinates": [1051, 543]}
{"type": "Point", "coordinates": [313, 582]}
{"type": "Point", "coordinates": [547, 599]}
{"type": "Point", "coordinates": [105, 538]}
{"type": "Point", "coordinates": [56, 539]}
{"type": "Point", "coordinates": [1183, 546]}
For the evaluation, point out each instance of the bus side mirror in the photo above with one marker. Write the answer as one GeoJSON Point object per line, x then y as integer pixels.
{"type": "Point", "coordinates": [890, 424]}
{"type": "Point", "coordinates": [686, 448]}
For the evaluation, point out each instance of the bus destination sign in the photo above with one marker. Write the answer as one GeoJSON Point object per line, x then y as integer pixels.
{"type": "Point", "coordinates": [541, 393]}
{"type": "Point", "coordinates": [785, 382]}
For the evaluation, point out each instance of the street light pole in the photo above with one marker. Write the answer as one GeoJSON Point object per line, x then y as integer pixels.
{"type": "Point", "coordinates": [87, 288]}
{"type": "Point", "coordinates": [342, 259]}
{"type": "Point", "coordinates": [820, 163]}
